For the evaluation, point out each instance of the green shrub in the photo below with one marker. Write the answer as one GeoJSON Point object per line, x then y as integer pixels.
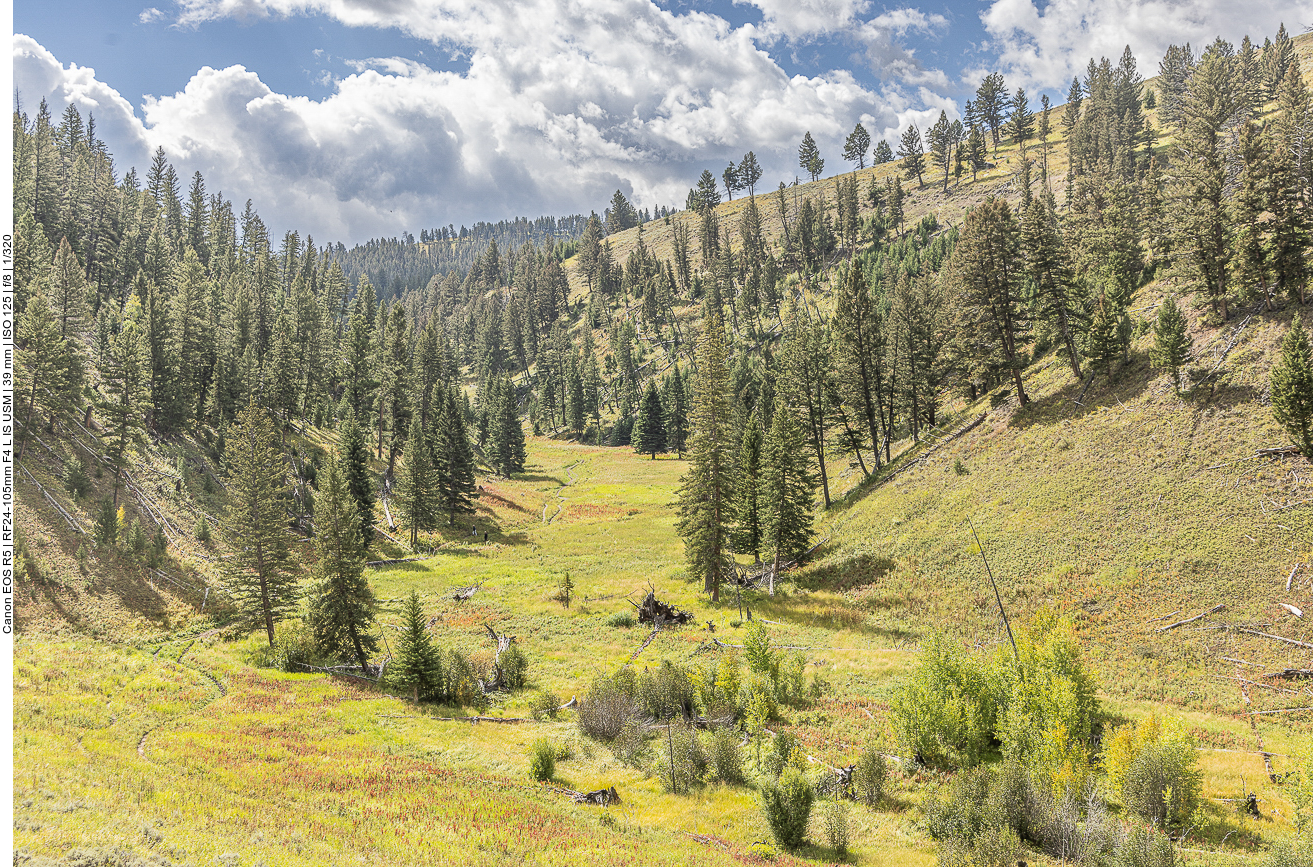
{"type": "Point", "coordinates": [787, 805]}
{"type": "Point", "coordinates": [666, 692]}
{"type": "Point", "coordinates": [726, 758]}
{"type": "Point", "coordinates": [834, 820]}
{"type": "Point", "coordinates": [606, 707]}
{"type": "Point", "coordinates": [621, 620]}
{"type": "Point", "coordinates": [869, 776]}
{"type": "Point", "coordinates": [461, 682]}
{"type": "Point", "coordinates": [785, 750]}
{"type": "Point", "coordinates": [1152, 764]}
{"type": "Point", "coordinates": [202, 530]}
{"type": "Point", "coordinates": [716, 687]}
{"type": "Point", "coordinates": [109, 523]}
{"type": "Point", "coordinates": [944, 714]}
{"type": "Point", "coordinates": [1292, 853]}
{"type": "Point", "coordinates": [630, 746]}
{"type": "Point", "coordinates": [957, 707]}
{"type": "Point", "coordinates": [542, 760]}
{"type": "Point", "coordinates": [76, 480]}
{"type": "Point", "coordinates": [1144, 847]}
{"type": "Point", "coordinates": [294, 645]}
{"type": "Point", "coordinates": [680, 760]}
{"type": "Point", "coordinates": [545, 705]}
{"type": "Point", "coordinates": [514, 667]}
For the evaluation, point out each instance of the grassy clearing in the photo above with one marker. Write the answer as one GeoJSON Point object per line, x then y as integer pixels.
{"type": "Point", "coordinates": [362, 773]}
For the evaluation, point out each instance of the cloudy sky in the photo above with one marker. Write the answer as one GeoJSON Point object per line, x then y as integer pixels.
{"type": "Point", "coordinates": [352, 119]}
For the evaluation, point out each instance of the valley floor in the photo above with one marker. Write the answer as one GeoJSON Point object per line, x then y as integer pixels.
{"type": "Point", "coordinates": [181, 749]}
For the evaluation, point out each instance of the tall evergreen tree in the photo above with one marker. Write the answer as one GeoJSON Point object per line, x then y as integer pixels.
{"type": "Point", "coordinates": [942, 147]}
{"type": "Point", "coordinates": [788, 486]}
{"type": "Point", "coordinates": [355, 468]}
{"type": "Point", "coordinates": [856, 145]}
{"type": "Point", "coordinates": [342, 605]}
{"type": "Point", "coordinates": [749, 173]}
{"type": "Point", "coordinates": [747, 535]}
{"type": "Point", "coordinates": [912, 154]}
{"type": "Point", "coordinates": [809, 157]}
{"type": "Point", "coordinates": [261, 576]}
{"type": "Point", "coordinates": [1021, 120]}
{"type": "Point", "coordinates": [418, 664]}
{"type": "Point", "coordinates": [705, 491]}
{"type": "Point", "coordinates": [1171, 341]}
{"type": "Point", "coordinates": [417, 485]}
{"type": "Point", "coordinates": [986, 266]}
{"type": "Point", "coordinates": [1051, 277]}
{"type": "Point", "coordinates": [675, 403]}
{"type": "Point", "coordinates": [123, 375]}
{"type": "Point", "coordinates": [1292, 388]}
{"type": "Point", "coordinates": [453, 458]}
{"type": "Point", "coordinates": [883, 153]}
{"type": "Point", "coordinates": [507, 454]}
{"type": "Point", "coordinates": [649, 429]}
{"type": "Point", "coordinates": [48, 372]}
{"type": "Point", "coordinates": [991, 104]}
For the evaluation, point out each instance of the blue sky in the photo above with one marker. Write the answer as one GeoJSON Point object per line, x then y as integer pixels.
{"type": "Point", "coordinates": [358, 118]}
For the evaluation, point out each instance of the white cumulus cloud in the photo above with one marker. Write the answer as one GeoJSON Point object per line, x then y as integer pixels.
{"type": "Point", "coordinates": [563, 102]}
{"type": "Point", "coordinates": [1045, 44]}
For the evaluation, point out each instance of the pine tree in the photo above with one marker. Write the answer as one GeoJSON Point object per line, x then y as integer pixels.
{"type": "Point", "coordinates": [986, 267]}
{"type": "Point", "coordinates": [883, 153]}
{"type": "Point", "coordinates": [1292, 388]}
{"type": "Point", "coordinates": [1198, 180]}
{"type": "Point", "coordinates": [507, 454]}
{"type": "Point", "coordinates": [1051, 277]}
{"type": "Point", "coordinates": [788, 486]}
{"type": "Point", "coordinates": [860, 342]}
{"type": "Point", "coordinates": [747, 534]}
{"type": "Point", "coordinates": [749, 173]}
{"type": "Point", "coordinates": [912, 154]}
{"type": "Point", "coordinates": [260, 570]}
{"type": "Point", "coordinates": [991, 101]}
{"type": "Point", "coordinates": [418, 664]}
{"type": "Point", "coordinates": [417, 485]}
{"type": "Point", "coordinates": [1021, 120]}
{"type": "Point", "coordinates": [855, 146]}
{"type": "Point", "coordinates": [942, 146]}
{"type": "Point", "coordinates": [1171, 341]}
{"type": "Point", "coordinates": [1102, 342]}
{"type": "Point", "coordinates": [708, 193]}
{"type": "Point", "coordinates": [123, 374]}
{"type": "Point", "coordinates": [342, 605]}
{"type": "Point", "coordinates": [675, 404]}
{"type": "Point", "coordinates": [809, 156]}
{"type": "Point", "coordinates": [704, 498]}
{"type": "Point", "coordinates": [355, 468]}
{"type": "Point", "coordinates": [454, 459]}
{"type": "Point", "coordinates": [47, 373]}
{"type": "Point", "coordinates": [649, 430]}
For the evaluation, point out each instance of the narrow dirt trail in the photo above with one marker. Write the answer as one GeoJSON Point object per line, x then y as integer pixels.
{"type": "Point", "coordinates": [219, 690]}
{"type": "Point", "coordinates": [560, 498]}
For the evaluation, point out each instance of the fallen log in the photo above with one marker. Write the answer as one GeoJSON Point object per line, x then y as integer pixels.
{"type": "Point", "coordinates": [505, 720]}
{"type": "Point", "coordinates": [641, 648]}
{"type": "Point", "coordinates": [377, 563]}
{"type": "Point", "coordinates": [1291, 576]}
{"type": "Point", "coordinates": [1213, 610]}
{"type": "Point", "coordinates": [464, 594]}
{"type": "Point", "coordinates": [602, 797]}
{"type": "Point", "coordinates": [1249, 631]}
{"type": "Point", "coordinates": [1290, 673]}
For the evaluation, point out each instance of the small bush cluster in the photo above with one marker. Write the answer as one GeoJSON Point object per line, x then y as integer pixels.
{"type": "Point", "coordinates": [621, 620]}
{"type": "Point", "coordinates": [76, 480]}
{"type": "Point", "coordinates": [294, 645]}
{"type": "Point", "coordinates": [787, 805]}
{"type": "Point", "coordinates": [545, 705]}
{"type": "Point", "coordinates": [542, 760]}
{"type": "Point", "coordinates": [869, 776]}
{"type": "Point", "coordinates": [1040, 707]}
{"type": "Point", "coordinates": [1153, 766]}
{"type": "Point", "coordinates": [607, 706]}
{"type": "Point", "coordinates": [680, 761]}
